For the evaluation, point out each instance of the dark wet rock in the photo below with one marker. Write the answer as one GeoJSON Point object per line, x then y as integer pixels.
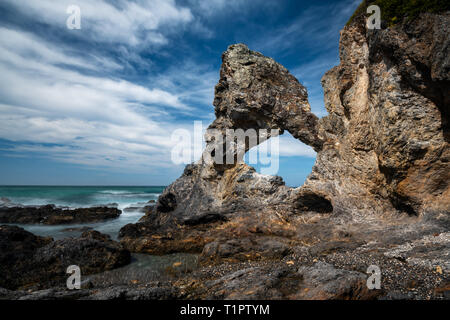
{"type": "Point", "coordinates": [17, 249]}
{"type": "Point", "coordinates": [149, 209]}
{"type": "Point", "coordinates": [443, 291]}
{"type": "Point", "coordinates": [118, 292]}
{"type": "Point", "coordinates": [141, 207]}
{"type": "Point", "coordinates": [285, 281]}
{"type": "Point", "coordinates": [328, 247]}
{"type": "Point", "coordinates": [27, 260]}
{"type": "Point", "coordinates": [6, 294]}
{"type": "Point", "coordinates": [52, 215]}
{"type": "Point", "coordinates": [93, 252]}
{"type": "Point", "coordinates": [167, 202]}
{"type": "Point", "coordinates": [54, 294]}
{"type": "Point", "coordinates": [147, 238]}
{"type": "Point", "coordinates": [95, 235]}
{"type": "Point", "coordinates": [160, 234]}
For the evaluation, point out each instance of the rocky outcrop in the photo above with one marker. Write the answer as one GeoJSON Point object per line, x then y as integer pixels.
{"type": "Point", "coordinates": [378, 193]}
{"type": "Point", "coordinates": [52, 215]}
{"type": "Point", "coordinates": [31, 261]}
{"type": "Point", "coordinates": [383, 148]}
{"type": "Point", "coordinates": [254, 92]}
{"type": "Point", "coordinates": [386, 143]}
{"type": "Point", "coordinates": [382, 151]}
{"type": "Point", "coordinates": [379, 190]}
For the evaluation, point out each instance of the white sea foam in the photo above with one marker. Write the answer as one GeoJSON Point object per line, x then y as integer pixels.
{"type": "Point", "coordinates": [115, 192]}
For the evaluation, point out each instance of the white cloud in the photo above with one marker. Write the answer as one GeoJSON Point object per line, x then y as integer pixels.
{"type": "Point", "coordinates": [129, 22]}
{"type": "Point", "coordinates": [291, 147]}
{"type": "Point", "coordinates": [65, 105]}
{"type": "Point", "coordinates": [68, 116]}
{"type": "Point", "coordinates": [288, 146]}
{"type": "Point", "coordinates": [196, 80]}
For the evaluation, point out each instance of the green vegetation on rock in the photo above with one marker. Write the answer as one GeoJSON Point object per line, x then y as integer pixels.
{"type": "Point", "coordinates": [394, 11]}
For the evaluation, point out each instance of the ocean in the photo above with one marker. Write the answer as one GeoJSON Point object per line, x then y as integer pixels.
{"type": "Point", "coordinates": [78, 196]}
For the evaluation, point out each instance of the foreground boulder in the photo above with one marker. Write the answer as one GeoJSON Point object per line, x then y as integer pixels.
{"type": "Point", "coordinates": [52, 215]}
{"type": "Point", "coordinates": [27, 260]}
{"type": "Point", "coordinates": [320, 281]}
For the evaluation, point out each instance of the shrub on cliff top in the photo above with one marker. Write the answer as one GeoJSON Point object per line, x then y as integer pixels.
{"type": "Point", "coordinates": [394, 11]}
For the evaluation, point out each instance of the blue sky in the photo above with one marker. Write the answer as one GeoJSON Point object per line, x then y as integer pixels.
{"type": "Point", "coordinates": [98, 106]}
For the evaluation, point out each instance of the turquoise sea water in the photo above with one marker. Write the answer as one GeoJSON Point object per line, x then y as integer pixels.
{"type": "Point", "coordinates": [75, 197]}
{"type": "Point", "coordinates": [79, 196]}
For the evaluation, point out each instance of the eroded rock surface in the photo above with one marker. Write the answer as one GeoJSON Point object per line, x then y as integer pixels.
{"type": "Point", "coordinates": [386, 136]}
{"type": "Point", "coordinates": [382, 152]}
{"type": "Point", "coordinates": [378, 192]}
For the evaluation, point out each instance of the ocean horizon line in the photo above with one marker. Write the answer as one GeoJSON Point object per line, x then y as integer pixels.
{"type": "Point", "coordinates": [99, 186]}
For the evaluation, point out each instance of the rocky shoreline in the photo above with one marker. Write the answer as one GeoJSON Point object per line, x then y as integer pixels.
{"type": "Point", "coordinates": [326, 270]}
{"type": "Point", "coordinates": [378, 194]}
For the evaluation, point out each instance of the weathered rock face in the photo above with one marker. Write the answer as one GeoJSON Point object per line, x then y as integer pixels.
{"type": "Point", "coordinates": [377, 195]}
{"type": "Point", "coordinates": [29, 260]}
{"type": "Point", "coordinates": [382, 153]}
{"type": "Point", "coordinates": [52, 215]}
{"type": "Point", "coordinates": [383, 147]}
{"type": "Point", "coordinates": [386, 136]}
{"type": "Point", "coordinates": [254, 92]}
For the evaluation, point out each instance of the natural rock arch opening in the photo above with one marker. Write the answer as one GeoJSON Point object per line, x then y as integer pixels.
{"type": "Point", "coordinates": [294, 160]}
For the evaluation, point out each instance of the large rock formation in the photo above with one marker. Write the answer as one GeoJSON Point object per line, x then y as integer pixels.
{"type": "Point", "coordinates": [379, 190]}
{"type": "Point", "coordinates": [378, 193]}
{"type": "Point", "coordinates": [254, 92]}
{"type": "Point", "coordinates": [383, 149]}
{"type": "Point", "coordinates": [386, 136]}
